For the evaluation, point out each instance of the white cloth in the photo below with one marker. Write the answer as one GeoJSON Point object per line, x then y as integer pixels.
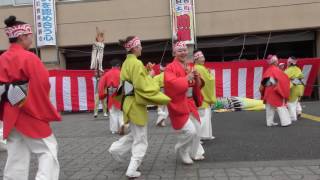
{"type": "Point", "coordinates": [292, 108]}
{"type": "Point", "coordinates": [162, 113]}
{"type": "Point", "coordinates": [116, 119]}
{"type": "Point", "coordinates": [283, 115]}
{"type": "Point", "coordinates": [97, 56]}
{"type": "Point", "coordinates": [136, 141]}
{"type": "Point", "coordinates": [299, 108]}
{"type": "Point", "coordinates": [189, 139]}
{"type": "Point", "coordinates": [206, 126]}
{"type": "Point", "coordinates": [20, 148]}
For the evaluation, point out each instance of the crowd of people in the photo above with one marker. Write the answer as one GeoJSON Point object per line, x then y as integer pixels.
{"type": "Point", "coordinates": [184, 92]}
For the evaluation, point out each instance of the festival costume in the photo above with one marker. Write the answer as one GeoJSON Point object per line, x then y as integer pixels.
{"type": "Point", "coordinates": [275, 93]}
{"type": "Point", "coordinates": [209, 98]}
{"type": "Point", "coordinates": [107, 89]}
{"type": "Point", "coordinates": [183, 111]}
{"type": "Point", "coordinates": [137, 90]}
{"type": "Point", "coordinates": [26, 125]}
{"type": "Point", "coordinates": [296, 89]}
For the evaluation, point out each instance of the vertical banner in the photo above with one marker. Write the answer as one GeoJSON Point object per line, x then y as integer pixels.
{"type": "Point", "coordinates": [182, 20]}
{"type": "Point", "coordinates": [45, 22]}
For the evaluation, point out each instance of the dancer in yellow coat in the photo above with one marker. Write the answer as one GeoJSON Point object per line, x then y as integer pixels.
{"type": "Point", "coordinates": [296, 86]}
{"type": "Point", "coordinates": [138, 91]}
{"type": "Point", "coordinates": [208, 93]}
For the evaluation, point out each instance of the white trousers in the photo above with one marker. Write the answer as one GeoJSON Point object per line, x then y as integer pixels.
{"type": "Point", "coordinates": [116, 119]}
{"type": "Point", "coordinates": [162, 113]}
{"type": "Point", "coordinates": [206, 126]}
{"type": "Point", "coordinates": [2, 141]}
{"type": "Point", "coordinates": [189, 139]}
{"type": "Point", "coordinates": [299, 108]}
{"type": "Point", "coordinates": [19, 150]}
{"type": "Point", "coordinates": [283, 115]}
{"type": "Point", "coordinates": [136, 141]}
{"type": "Point", "coordinates": [292, 108]}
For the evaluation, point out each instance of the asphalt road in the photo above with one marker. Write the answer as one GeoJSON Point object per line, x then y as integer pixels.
{"type": "Point", "coordinates": [244, 148]}
{"type": "Point", "coordinates": [243, 136]}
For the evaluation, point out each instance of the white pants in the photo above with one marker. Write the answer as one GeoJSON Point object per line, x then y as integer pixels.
{"type": "Point", "coordinates": [2, 141]}
{"type": "Point", "coordinates": [292, 108]}
{"type": "Point", "coordinates": [283, 115]}
{"type": "Point", "coordinates": [136, 141]}
{"type": "Point", "coordinates": [162, 113]}
{"type": "Point", "coordinates": [20, 148]}
{"type": "Point", "coordinates": [189, 138]}
{"type": "Point", "coordinates": [206, 126]}
{"type": "Point", "coordinates": [116, 119]}
{"type": "Point", "coordinates": [299, 108]}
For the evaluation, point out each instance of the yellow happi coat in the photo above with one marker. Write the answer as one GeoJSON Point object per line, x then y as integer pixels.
{"type": "Point", "coordinates": [159, 79]}
{"type": "Point", "coordinates": [208, 91]}
{"type": "Point", "coordinates": [296, 91]}
{"type": "Point", "coordinates": [146, 91]}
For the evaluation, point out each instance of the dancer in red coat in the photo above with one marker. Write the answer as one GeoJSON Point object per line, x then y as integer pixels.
{"type": "Point", "coordinates": [183, 85]}
{"type": "Point", "coordinates": [26, 124]}
{"type": "Point", "coordinates": [107, 88]}
{"type": "Point", "coordinates": [275, 91]}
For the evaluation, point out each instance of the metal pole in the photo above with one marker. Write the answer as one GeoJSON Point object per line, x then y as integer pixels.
{"type": "Point", "coordinates": [171, 23]}
{"type": "Point", "coordinates": [56, 31]}
{"type": "Point", "coordinates": [265, 51]}
{"type": "Point", "coordinates": [243, 44]}
{"type": "Point", "coordinates": [35, 28]}
{"type": "Point", "coordinates": [194, 25]}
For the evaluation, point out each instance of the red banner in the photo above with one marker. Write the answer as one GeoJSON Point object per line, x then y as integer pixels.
{"type": "Point", "coordinates": [73, 90]}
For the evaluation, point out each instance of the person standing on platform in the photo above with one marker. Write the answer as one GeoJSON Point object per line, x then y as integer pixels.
{"type": "Point", "coordinates": [296, 87]}
{"type": "Point", "coordinates": [209, 96]}
{"type": "Point", "coordinates": [96, 64]}
{"type": "Point", "coordinates": [26, 110]}
{"type": "Point", "coordinates": [183, 85]}
{"type": "Point", "coordinates": [275, 91]}
{"type": "Point", "coordinates": [108, 85]}
{"type": "Point", "coordinates": [138, 90]}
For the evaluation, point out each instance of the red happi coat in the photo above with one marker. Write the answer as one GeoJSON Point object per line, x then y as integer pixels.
{"type": "Point", "coordinates": [278, 94]}
{"type": "Point", "coordinates": [110, 79]}
{"type": "Point", "coordinates": [175, 86]}
{"type": "Point", "coordinates": [33, 117]}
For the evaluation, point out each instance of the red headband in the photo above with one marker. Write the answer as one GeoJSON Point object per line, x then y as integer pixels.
{"type": "Point", "coordinates": [18, 30]}
{"type": "Point", "coordinates": [180, 45]}
{"type": "Point", "coordinates": [132, 43]}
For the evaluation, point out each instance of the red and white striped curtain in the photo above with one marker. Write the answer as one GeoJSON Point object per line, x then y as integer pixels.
{"type": "Point", "coordinates": [73, 90]}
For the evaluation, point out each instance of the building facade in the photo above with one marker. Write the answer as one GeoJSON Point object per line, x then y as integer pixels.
{"type": "Point", "coordinates": [222, 25]}
{"type": "Point", "coordinates": [226, 29]}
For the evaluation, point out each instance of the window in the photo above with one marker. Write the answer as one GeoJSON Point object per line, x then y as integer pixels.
{"type": "Point", "coordinates": [5, 2]}
{"type": "Point", "coordinates": [69, 0]}
{"type": "Point", "coordinates": [15, 2]}
{"type": "Point", "coordinates": [22, 2]}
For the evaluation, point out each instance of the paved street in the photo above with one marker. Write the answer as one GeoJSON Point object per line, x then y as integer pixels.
{"type": "Point", "coordinates": [244, 149]}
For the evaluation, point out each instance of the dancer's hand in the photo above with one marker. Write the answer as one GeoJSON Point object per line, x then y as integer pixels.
{"type": "Point", "coordinates": [99, 35]}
